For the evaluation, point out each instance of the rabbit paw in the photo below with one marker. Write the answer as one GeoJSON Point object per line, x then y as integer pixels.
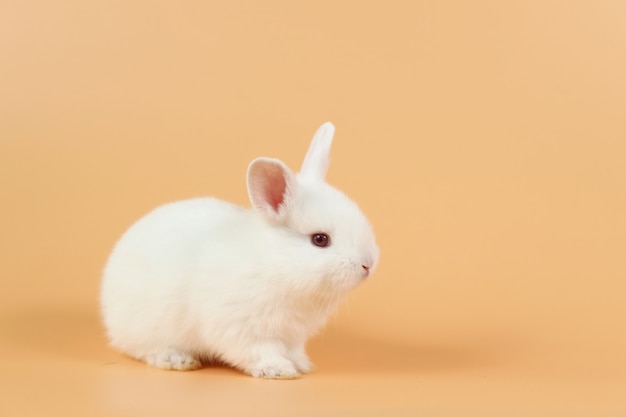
{"type": "Point", "coordinates": [171, 359]}
{"type": "Point", "coordinates": [274, 367]}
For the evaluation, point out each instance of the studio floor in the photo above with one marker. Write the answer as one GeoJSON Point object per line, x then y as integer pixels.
{"type": "Point", "coordinates": [56, 362]}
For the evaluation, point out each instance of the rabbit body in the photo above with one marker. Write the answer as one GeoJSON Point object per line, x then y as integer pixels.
{"type": "Point", "coordinates": [204, 280]}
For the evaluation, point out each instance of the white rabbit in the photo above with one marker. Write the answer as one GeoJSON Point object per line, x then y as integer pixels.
{"type": "Point", "coordinates": [206, 280]}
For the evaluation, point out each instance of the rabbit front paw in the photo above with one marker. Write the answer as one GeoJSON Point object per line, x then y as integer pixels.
{"type": "Point", "coordinates": [171, 359]}
{"type": "Point", "coordinates": [273, 367]}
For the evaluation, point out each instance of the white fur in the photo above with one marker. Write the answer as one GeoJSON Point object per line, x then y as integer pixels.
{"type": "Point", "coordinates": [204, 279]}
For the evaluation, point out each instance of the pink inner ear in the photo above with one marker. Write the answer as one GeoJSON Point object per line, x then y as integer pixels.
{"type": "Point", "coordinates": [274, 186]}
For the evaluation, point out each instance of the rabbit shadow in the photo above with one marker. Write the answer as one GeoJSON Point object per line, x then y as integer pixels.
{"type": "Point", "coordinates": [351, 353]}
{"type": "Point", "coordinates": [77, 334]}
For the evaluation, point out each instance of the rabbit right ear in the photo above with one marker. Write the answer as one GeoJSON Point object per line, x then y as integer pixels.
{"type": "Point", "coordinates": [317, 157]}
{"type": "Point", "coordinates": [270, 187]}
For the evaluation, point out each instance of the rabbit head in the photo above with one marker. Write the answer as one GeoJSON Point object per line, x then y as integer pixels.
{"type": "Point", "coordinates": [327, 236]}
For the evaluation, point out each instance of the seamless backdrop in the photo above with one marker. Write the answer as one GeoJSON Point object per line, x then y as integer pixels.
{"type": "Point", "coordinates": [485, 140]}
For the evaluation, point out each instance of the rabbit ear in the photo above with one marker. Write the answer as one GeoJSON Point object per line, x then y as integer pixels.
{"type": "Point", "coordinates": [317, 158]}
{"type": "Point", "coordinates": [270, 187]}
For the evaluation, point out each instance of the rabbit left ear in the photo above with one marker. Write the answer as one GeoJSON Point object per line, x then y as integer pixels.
{"type": "Point", "coordinates": [317, 157]}
{"type": "Point", "coordinates": [270, 187]}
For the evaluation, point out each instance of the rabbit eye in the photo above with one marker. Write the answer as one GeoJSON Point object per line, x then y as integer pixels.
{"type": "Point", "coordinates": [320, 239]}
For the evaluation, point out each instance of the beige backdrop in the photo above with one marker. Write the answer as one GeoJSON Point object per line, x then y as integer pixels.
{"type": "Point", "coordinates": [485, 140]}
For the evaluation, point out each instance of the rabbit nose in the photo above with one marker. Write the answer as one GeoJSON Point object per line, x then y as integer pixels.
{"type": "Point", "coordinates": [366, 269]}
{"type": "Point", "coordinates": [367, 263]}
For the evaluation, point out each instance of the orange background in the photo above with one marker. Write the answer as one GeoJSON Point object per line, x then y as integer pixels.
{"type": "Point", "coordinates": [485, 141]}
